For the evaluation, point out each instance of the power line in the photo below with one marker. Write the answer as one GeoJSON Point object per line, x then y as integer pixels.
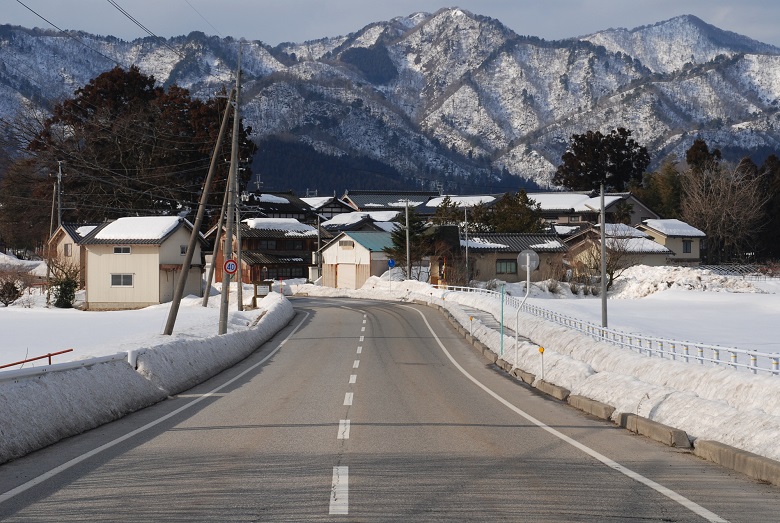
{"type": "Point", "coordinates": [204, 18]}
{"type": "Point", "coordinates": [69, 35]}
{"type": "Point", "coordinates": [142, 26]}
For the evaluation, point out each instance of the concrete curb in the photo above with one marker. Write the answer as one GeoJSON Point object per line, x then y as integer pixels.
{"type": "Point", "coordinates": [654, 430]}
{"type": "Point", "coordinates": [752, 465]}
{"type": "Point", "coordinates": [553, 390]}
{"type": "Point", "coordinates": [596, 408]}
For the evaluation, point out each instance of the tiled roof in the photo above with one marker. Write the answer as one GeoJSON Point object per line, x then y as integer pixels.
{"type": "Point", "coordinates": [137, 230]}
{"type": "Point", "coordinates": [390, 200]}
{"type": "Point", "coordinates": [516, 242]}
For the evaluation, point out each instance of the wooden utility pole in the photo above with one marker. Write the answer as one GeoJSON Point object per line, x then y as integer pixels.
{"type": "Point", "coordinates": [185, 266]}
{"type": "Point", "coordinates": [224, 304]}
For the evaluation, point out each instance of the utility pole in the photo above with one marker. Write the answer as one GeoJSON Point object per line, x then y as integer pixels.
{"type": "Point", "coordinates": [59, 192]}
{"type": "Point", "coordinates": [215, 252]}
{"type": "Point", "coordinates": [466, 218]}
{"type": "Point", "coordinates": [187, 263]}
{"type": "Point", "coordinates": [223, 309]}
{"type": "Point", "coordinates": [408, 254]}
{"type": "Point", "coordinates": [239, 271]}
{"type": "Point", "coordinates": [603, 262]}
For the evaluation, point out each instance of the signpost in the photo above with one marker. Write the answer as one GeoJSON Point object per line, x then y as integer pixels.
{"type": "Point", "coordinates": [528, 260]}
{"type": "Point", "coordinates": [230, 266]}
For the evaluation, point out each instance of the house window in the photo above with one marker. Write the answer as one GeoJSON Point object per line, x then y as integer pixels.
{"type": "Point", "coordinates": [183, 249]}
{"type": "Point", "coordinates": [574, 219]}
{"type": "Point", "coordinates": [121, 280]}
{"type": "Point", "coordinates": [121, 249]}
{"type": "Point", "coordinates": [346, 244]}
{"type": "Point", "coordinates": [295, 245]}
{"type": "Point", "coordinates": [687, 246]}
{"type": "Point", "coordinates": [266, 245]}
{"type": "Point", "coordinates": [68, 248]}
{"type": "Point", "coordinates": [506, 266]}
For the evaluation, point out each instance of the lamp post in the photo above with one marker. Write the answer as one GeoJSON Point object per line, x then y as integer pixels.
{"type": "Point", "coordinates": [603, 262]}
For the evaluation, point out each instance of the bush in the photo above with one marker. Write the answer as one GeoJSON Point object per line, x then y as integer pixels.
{"type": "Point", "coordinates": [9, 292]}
{"type": "Point", "coordinates": [65, 293]}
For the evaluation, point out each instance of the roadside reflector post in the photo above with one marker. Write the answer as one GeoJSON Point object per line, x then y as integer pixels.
{"type": "Point", "coordinates": [541, 353]}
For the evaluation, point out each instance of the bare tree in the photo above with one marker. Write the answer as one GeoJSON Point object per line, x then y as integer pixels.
{"type": "Point", "coordinates": [620, 256]}
{"type": "Point", "coordinates": [727, 204]}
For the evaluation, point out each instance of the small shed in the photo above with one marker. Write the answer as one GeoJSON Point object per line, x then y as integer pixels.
{"type": "Point", "coordinates": [353, 257]}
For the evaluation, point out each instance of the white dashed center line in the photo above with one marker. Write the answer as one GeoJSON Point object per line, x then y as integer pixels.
{"type": "Point", "coordinates": [343, 429]}
{"type": "Point", "coordinates": [352, 379]}
{"type": "Point", "coordinates": [356, 364]}
{"type": "Point", "coordinates": [339, 491]}
{"type": "Point", "coordinates": [348, 398]}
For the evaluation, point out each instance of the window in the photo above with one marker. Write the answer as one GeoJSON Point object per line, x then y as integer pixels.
{"type": "Point", "coordinates": [183, 249]}
{"type": "Point", "coordinates": [687, 246]}
{"type": "Point", "coordinates": [574, 219]}
{"type": "Point", "coordinates": [121, 280]}
{"type": "Point", "coordinates": [346, 244]}
{"type": "Point", "coordinates": [506, 266]}
{"type": "Point", "coordinates": [266, 245]}
{"type": "Point", "coordinates": [68, 249]}
{"type": "Point", "coordinates": [121, 249]}
{"type": "Point", "coordinates": [295, 245]}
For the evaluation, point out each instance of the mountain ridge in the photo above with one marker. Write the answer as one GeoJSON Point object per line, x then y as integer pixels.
{"type": "Point", "coordinates": [451, 98]}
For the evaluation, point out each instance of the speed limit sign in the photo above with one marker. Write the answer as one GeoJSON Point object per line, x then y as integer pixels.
{"type": "Point", "coordinates": [230, 266]}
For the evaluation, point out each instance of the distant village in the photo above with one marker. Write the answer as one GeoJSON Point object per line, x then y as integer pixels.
{"type": "Point", "coordinates": [341, 241]}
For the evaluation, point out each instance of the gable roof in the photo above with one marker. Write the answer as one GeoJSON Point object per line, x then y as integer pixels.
{"type": "Point", "coordinates": [138, 230]}
{"type": "Point", "coordinates": [277, 203]}
{"type": "Point", "coordinates": [387, 200]}
{"type": "Point", "coordinates": [463, 201]}
{"type": "Point", "coordinates": [287, 226]}
{"type": "Point", "coordinates": [76, 231]}
{"type": "Point", "coordinates": [574, 201]}
{"type": "Point", "coordinates": [374, 241]}
{"type": "Point", "coordinates": [514, 242]}
{"type": "Point", "coordinates": [674, 228]}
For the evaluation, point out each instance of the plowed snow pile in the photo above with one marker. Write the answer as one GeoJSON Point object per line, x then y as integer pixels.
{"type": "Point", "coordinates": [641, 281]}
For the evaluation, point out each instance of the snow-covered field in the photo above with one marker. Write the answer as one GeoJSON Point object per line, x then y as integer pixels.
{"type": "Point", "coordinates": [721, 404]}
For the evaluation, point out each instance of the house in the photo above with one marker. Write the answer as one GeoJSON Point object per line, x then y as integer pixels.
{"type": "Point", "coordinates": [495, 255]}
{"type": "Point", "coordinates": [65, 245]}
{"type": "Point", "coordinates": [277, 205]}
{"type": "Point", "coordinates": [135, 262]}
{"type": "Point", "coordinates": [390, 200]}
{"type": "Point", "coordinates": [328, 207]}
{"type": "Point", "coordinates": [352, 257]}
{"type": "Point", "coordinates": [274, 249]}
{"type": "Point", "coordinates": [567, 208]}
{"type": "Point", "coordinates": [683, 239]}
{"type": "Point", "coordinates": [362, 221]}
{"type": "Point", "coordinates": [626, 246]}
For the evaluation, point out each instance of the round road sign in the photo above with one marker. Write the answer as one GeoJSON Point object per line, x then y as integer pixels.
{"type": "Point", "coordinates": [230, 266]}
{"type": "Point", "coordinates": [529, 258]}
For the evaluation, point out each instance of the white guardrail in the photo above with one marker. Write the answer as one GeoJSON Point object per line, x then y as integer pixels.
{"type": "Point", "coordinates": [688, 352]}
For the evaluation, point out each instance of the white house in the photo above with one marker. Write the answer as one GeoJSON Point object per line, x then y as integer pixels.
{"type": "Point", "coordinates": [683, 239]}
{"type": "Point", "coordinates": [352, 257]}
{"type": "Point", "coordinates": [135, 262]}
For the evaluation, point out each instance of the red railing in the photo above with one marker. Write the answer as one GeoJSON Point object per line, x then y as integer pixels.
{"type": "Point", "coordinates": [36, 358]}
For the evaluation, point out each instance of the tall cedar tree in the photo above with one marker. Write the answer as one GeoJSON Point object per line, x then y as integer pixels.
{"type": "Point", "coordinates": [129, 147]}
{"type": "Point", "coordinates": [592, 158]}
{"type": "Point", "coordinates": [418, 242]}
{"type": "Point", "coordinates": [516, 213]}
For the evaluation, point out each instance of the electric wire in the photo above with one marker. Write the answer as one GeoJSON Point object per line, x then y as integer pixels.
{"type": "Point", "coordinates": [142, 26]}
{"type": "Point", "coordinates": [204, 18]}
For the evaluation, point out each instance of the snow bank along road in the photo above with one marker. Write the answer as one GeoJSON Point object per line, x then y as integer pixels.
{"type": "Point", "coordinates": [370, 411]}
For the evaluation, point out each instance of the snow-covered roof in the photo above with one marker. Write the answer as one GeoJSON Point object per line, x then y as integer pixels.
{"type": "Point", "coordinates": [404, 203]}
{"type": "Point", "coordinates": [637, 246]}
{"type": "Point", "coordinates": [269, 198]}
{"type": "Point", "coordinates": [461, 201]}
{"type": "Point", "coordinates": [317, 201]}
{"type": "Point", "coordinates": [290, 225]}
{"type": "Point", "coordinates": [481, 243]}
{"type": "Point", "coordinates": [621, 230]}
{"type": "Point", "coordinates": [85, 229]}
{"type": "Point", "coordinates": [672, 227]}
{"type": "Point", "coordinates": [578, 202]}
{"type": "Point", "coordinates": [139, 228]}
{"type": "Point", "coordinates": [350, 218]}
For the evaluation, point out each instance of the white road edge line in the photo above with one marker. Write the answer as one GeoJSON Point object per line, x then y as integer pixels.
{"type": "Point", "coordinates": [674, 496]}
{"type": "Point", "coordinates": [343, 429]}
{"type": "Point", "coordinates": [75, 461]}
{"type": "Point", "coordinates": [339, 491]}
{"type": "Point", "coordinates": [348, 398]}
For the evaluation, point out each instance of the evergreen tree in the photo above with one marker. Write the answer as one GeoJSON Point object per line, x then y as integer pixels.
{"type": "Point", "coordinates": [516, 213]}
{"type": "Point", "coordinates": [418, 243]}
{"type": "Point", "coordinates": [615, 159]}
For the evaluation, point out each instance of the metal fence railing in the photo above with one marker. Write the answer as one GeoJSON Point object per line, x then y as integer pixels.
{"type": "Point", "coordinates": [688, 352]}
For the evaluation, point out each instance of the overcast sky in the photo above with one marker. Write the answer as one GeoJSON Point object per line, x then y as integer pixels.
{"type": "Point", "coordinates": [275, 21]}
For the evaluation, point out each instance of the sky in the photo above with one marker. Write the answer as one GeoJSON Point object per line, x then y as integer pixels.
{"type": "Point", "coordinates": [662, 301]}
{"type": "Point", "coordinates": [276, 21]}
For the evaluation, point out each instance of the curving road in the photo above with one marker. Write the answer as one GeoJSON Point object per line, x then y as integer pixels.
{"type": "Point", "coordinates": [370, 411]}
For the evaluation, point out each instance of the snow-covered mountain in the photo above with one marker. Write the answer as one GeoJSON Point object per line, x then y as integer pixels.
{"type": "Point", "coordinates": [448, 96]}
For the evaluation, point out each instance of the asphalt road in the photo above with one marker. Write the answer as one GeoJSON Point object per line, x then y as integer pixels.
{"type": "Point", "coordinates": [370, 411]}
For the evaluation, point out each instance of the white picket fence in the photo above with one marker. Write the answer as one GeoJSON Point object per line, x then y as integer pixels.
{"type": "Point", "coordinates": [688, 352]}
